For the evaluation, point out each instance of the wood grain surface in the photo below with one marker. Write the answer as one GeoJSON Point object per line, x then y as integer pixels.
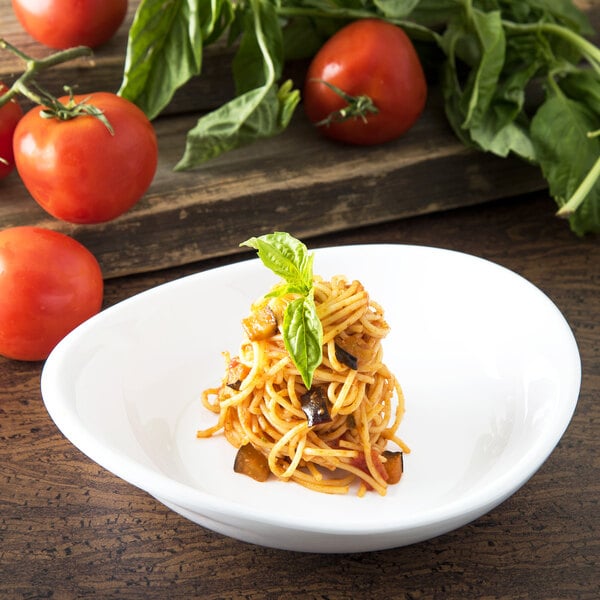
{"type": "Point", "coordinates": [298, 181]}
{"type": "Point", "coordinates": [69, 529]}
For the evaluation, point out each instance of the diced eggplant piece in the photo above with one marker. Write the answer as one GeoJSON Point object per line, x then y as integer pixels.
{"type": "Point", "coordinates": [346, 358]}
{"type": "Point", "coordinates": [314, 404]}
{"type": "Point", "coordinates": [261, 324]}
{"type": "Point", "coordinates": [394, 465]}
{"type": "Point", "coordinates": [250, 461]}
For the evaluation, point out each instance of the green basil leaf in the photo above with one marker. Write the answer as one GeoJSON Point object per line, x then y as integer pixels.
{"type": "Point", "coordinates": [287, 257]}
{"type": "Point", "coordinates": [396, 9]}
{"type": "Point", "coordinates": [164, 50]}
{"type": "Point", "coordinates": [257, 112]}
{"type": "Point", "coordinates": [258, 61]}
{"type": "Point", "coordinates": [567, 154]}
{"type": "Point", "coordinates": [301, 39]}
{"type": "Point", "coordinates": [436, 12]}
{"type": "Point", "coordinates": [303, 335]}
{"type": "Point", "coordinates": [560, 11]}
{"type": "Point", "coordinates": [482, 84]}
{"type": "Point", "coordinates": [585, 86]}
{"type": "Point", "coordinates": [505, 128]}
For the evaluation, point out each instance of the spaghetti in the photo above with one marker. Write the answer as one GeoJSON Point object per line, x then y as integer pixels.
{"type": "Point", "coordinates": [334, 435]}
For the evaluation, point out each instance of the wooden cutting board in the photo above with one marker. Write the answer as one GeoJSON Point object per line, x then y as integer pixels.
{"type": "Point", "coordinates": [297, 182]}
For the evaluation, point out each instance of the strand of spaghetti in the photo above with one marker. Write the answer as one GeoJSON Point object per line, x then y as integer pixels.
{"type": "Point", "coordinates": [277, 447]}
{"type": "Point", "coordinates": [373, 329]}
{"type": "Point", "coordinates": [366, 442]}
{"type": "Point", "coordinates": [359, 396]}
{"type": "Point", "coordinates": [291, 389]}
{"type": "Point", "coordinates": [330, 452]}
{"type": "Point", "coordinates": [255, 402]}
{"type": "Point", "coordinates": [298, 455]}
{"type": "Point", "coordinates": [287, 404]}
{"type": "Point", "coordinates": [313, 471]}
{"type": "Point", "coordinates": [331, 356]}
{"type": "Point", "coordinates": [343, 393]}
{"type": "Point", "coordinates": [237, 397]}
{"type": "Point", "coordinates": [333, 331]}
{"type": "Point", "coordinates": [257, 361]}
{"type": "Point", "coordinates": [326, 486]}
{"type": "Point", "coordinates": [341, 309]}
{"type": "Point", "coordinates": [330, 292]}
{"type": "Point", "coordinates": [366, 477]}
{"type": "Point", "coordinates": [205, 397]}
{"type": "Point", "coordinates": [283, 362]}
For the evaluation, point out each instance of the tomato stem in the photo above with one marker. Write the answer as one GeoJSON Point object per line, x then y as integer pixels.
{"type": "Point", "coordinates": [357, 106]}
{"type": "Point", "coordinates": [26, 86]}
{"type": "Point", "coordinates": [33, 66]}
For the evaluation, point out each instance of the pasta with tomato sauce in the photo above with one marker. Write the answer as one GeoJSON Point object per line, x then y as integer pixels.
{"type": "Point", "coordinates": [332, 436]}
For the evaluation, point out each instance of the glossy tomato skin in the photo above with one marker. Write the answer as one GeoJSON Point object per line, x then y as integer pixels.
{"type": "Point", "coordinates": [49, 284]}
{"type": "Point", "coordinates": [368, 57]}
{"type": "Point", "coordinates": [79, 171]}
{"type": "Point", "coordinates": [63, 24]}
{"type": "Point", "coordinates": [10, 114]}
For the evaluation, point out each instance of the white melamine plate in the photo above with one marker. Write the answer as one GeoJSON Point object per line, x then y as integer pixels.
{"type": "Point", "coordinates": [489, 368]}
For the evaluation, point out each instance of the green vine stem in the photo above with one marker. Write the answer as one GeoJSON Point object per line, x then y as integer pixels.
{"type": "Point", "coordinates": [356, 106]}
{"type": "Point", "coordinates": [581, 192]}
{"type": "Point", "coordinates": [34, 66]}
{"type": "Point", "coordinates": [26, 86]}
{"type": "Point", "coordinates": [587, 49]}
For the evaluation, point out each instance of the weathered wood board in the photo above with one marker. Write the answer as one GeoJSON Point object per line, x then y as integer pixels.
{"type": "Point", "coordinates": [298, 181]}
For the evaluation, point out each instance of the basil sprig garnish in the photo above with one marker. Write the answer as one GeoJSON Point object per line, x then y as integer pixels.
{"type": "Point", "coordinates": [302, 331]}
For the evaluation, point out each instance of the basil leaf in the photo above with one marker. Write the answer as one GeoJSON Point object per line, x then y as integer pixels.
{"type": "Point", "coordinates": [302, 336]}
{"type": "Point", "coordinates": [585, 86]}
{"type": "Point", "coordinates": [489, 33]}
{"type": "Point", "coordinates": [257, 112]}
{"type": "Point", "coordinates": [561, 11]}
{"type": "Point", "coordinates": [505, 128]}
{"type": "Point", "coordinates": [301, 39]}
{"type": "Point", "coordinates": [567, 154]}
{"type": "Point", "coordinates": [259, 58]}
{"type": "Point", "coordinates": [164, 48]}
{"type": "Point", "coordinates": [287, 257]}
{"type": "Point", "coordinates": [436, 12]}
{"type": "Point", "coordinates": [396, 9]}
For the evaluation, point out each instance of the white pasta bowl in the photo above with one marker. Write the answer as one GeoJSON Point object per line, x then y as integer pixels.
{"type": "Point", "coordinates": [489, 368]}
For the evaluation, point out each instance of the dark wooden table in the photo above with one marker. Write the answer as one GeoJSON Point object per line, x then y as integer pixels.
{"type": "Point", "coordinates": [69, 529]}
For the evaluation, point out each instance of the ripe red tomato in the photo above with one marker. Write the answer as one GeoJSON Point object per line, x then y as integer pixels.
{"type": "Point", "coordinates": [10, 113]}
{"type": "Point", "coordinates": [63, 24]}
{"type": "Point", "coordinates": [373, 58]}
{"type": "Point", "coordinates": [49, 284]}
{"type": "Point", "coordinates": [79, 171]}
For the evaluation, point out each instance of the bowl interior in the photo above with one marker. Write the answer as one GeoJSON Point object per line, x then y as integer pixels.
{"type": "Point", "coordinates": [488, 365]}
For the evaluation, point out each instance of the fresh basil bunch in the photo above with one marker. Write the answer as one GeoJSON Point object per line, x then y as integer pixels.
{"type": "Point", "coordinates": [495, 54]}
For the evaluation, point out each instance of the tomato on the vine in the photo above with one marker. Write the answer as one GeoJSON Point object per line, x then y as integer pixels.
{"type": "Point", "coordinates": [87, 169]}
{"type": "Point", "coordinates": [49, 284]}
{"type": "Point", "coordinates": [63, 24]}
{"type": "Point", "coordinates": [366, 84]}
{"type": "Point", "coordinates": [10, 113]}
